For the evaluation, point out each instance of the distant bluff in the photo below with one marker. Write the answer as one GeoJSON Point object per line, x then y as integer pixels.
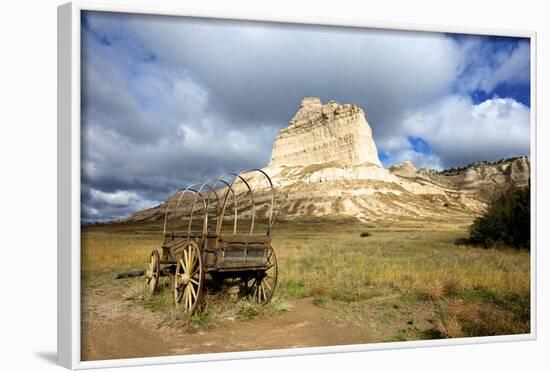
{"type": "Point", "coordinates": [325, 164]}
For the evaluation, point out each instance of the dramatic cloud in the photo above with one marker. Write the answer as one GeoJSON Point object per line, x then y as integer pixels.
{"type": "Point", "coordinates": [168, 101]}
{"type": "Point", "coordinates": [460, 132]}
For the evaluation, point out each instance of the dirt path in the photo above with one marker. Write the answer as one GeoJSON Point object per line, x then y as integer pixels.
{"type": "Point", "coordinates": [113, 329]}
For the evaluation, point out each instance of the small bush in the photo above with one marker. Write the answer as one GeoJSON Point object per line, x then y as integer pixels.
{"type": "Point", "coordinates": [449, 327]}
{"type": "Point", "coordinates": [506, 221]}
{"type": "Point", "coordinates": [365, 234]}
{"type": "Point", "coordinates": [247, 310]}
{"type": "Point", "coordinates": [434, 290]}
{"type": "Point", "coordinates": [446, 204]}
{"type": "Point", "coordinates": [452, 285]}
{"type": "Point", "coordinates": [318, 301]}
{"type": "Point", "coordinates": [428, 291]}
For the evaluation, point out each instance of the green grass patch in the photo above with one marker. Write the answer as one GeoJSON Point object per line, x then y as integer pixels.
{"type": "Point", "coordinates": [295, 289]}
{"type": "Point", "coordinates": [476, 294]}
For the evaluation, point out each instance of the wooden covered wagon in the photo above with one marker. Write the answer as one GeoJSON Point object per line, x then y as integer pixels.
{"type": "Point", "coordinates": [201, 253]}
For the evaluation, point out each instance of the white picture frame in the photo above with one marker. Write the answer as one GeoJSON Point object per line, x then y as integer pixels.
{"type": "Point", "coordinates": [69, 145]}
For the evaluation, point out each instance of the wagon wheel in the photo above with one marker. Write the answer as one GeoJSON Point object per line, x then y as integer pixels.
{"type": "Point", "coordinates": [189, 278]}
{"type": "Point", "coordinates": [152, 272]}
{"type": "Point", "coordinates": [260, 288]}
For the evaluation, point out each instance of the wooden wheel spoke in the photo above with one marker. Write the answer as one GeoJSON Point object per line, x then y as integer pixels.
{"type": "Point", "coordinates": [191, 258]}
{"type": "Point", "coordinates": [186, 296]}
{"type": "Point", "coordinates": [197, 270]}
{"type": "Point", "coordinates": [178, 293]}
{"type": "Point", "coordinates": [189, 298]}
{"type": "Point", "coordinates": [193, 291]}
{"type": "Point", "coordinates": [183, 269]}
{"type": "Point", "coordinates": [262, 291]}
{"type": "Point", "coordinates": [183, 261]}
{"type": "Point", "coordinates": [254, 284]}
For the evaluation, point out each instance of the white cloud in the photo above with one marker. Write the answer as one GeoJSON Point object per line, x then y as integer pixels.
{"type": "Point", "coordinates": [257, 73]}
{"type": "Point", "coordinates": [398, 149]}
{"type": "Point", "coordinates": [98, 205]}
{"type": "Point", "coordinates": [460, 131]}
{"type": "Point", "coordinates": [113, 198]}
{"type": "Point", "coordinates": [89, 211]}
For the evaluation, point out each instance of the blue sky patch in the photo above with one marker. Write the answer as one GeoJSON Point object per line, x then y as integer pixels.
{"type": "Point", "coordinates": [419, 145]}
{"type": "Point", "coordinates": [519, 92]}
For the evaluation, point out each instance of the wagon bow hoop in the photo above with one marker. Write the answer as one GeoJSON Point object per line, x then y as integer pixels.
{"type": "Point", "coordinates": [206, 203]}
{"type": "Point", "coordinates": [239, 176]}
{"type": "Point", "coordinates": [175, 209]}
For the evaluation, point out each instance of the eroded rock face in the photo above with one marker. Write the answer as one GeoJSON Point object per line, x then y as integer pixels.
{"type": "Point", "coordinates": [325, 133]}
{"type": "Point", "coordinates": [470, 179]}
{"type": "Point", "coordinates": [520, 169]}
{"type": "Point", "coordinates": [516, 171]}
{"type": "Point", "coordinates": [405, 169]}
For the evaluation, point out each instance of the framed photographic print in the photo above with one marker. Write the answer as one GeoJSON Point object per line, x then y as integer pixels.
{"type": "Point", "coordinates": [236, 186]}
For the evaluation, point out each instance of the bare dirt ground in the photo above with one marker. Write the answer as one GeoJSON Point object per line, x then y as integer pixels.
{"type": "Point", "coordinates": [113, 327]}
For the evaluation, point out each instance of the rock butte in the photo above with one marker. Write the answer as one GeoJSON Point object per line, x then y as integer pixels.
{"type": "Point", "coordinates": [325, 163]}
{"type": "Point", "coordinates": [325, 133]}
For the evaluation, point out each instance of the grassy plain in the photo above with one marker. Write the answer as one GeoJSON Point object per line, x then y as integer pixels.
{"type": "Point", "coordinates": [405, 280]}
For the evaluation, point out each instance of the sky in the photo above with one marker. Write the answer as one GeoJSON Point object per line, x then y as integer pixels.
{"type": "Point", "coordinates": [169, 101]}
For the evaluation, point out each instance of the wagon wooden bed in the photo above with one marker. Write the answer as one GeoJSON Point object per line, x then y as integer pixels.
{"type": "Point", "coordinates": [198, 254]}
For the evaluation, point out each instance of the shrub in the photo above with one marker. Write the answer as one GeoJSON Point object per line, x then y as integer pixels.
{"type": "Point", "coordinates": [365, 234]}
{"type": "Point", "coordinates": [433, 290]}
{"type": "Point", "coordinates": [449, 327]}
{"type": "Point", "coordinates": [452, 285]}
{"type": "Point", "coordinates": [506, 221]}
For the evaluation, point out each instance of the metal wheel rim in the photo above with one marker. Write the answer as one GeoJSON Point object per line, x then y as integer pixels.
{"type": "Point", "coordinates": [188, 279]}
{"type": "Point", "coordinates": [261, 289]}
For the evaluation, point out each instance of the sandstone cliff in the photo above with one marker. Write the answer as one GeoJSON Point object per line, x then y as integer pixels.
{"type": "Point", "coordinates": [323, 133]}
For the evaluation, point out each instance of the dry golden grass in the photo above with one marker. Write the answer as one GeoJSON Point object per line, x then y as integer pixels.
{"type": "Point", "coordinates": [328, 260]}
{"type": "Point", "coordinates": [107, 248]}
{"type": "Point", "coordinates": [422, 257]}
